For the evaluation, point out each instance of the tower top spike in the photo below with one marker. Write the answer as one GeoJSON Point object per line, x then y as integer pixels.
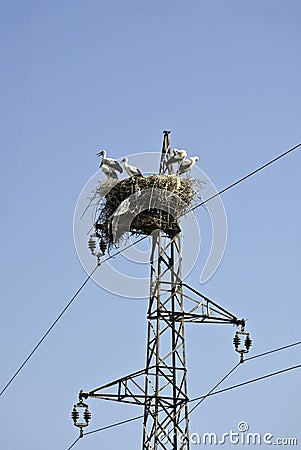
{"type": "Point", "coordinates": [166, 154]}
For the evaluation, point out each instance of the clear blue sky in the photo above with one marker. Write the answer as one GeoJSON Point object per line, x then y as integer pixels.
{"type": "Point", "coordinates": [84, 75]}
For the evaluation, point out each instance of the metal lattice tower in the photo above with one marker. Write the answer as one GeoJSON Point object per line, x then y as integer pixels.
{"type": "Point", "coordinates": [161, 387]}
{"type": "Point", "coordinates": [165, 411]}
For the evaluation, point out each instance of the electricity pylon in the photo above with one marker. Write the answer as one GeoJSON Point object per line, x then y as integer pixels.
{"type": "Point", "coordinates": [161, 387]}
{"type": "Point", "coordinates": [166, 399]}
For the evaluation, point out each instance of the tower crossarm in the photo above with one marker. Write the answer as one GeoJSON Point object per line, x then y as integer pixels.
{"type": "Point", "coordinates": [197, 308]}
{"type": "Point", "coordinates": [131, 389]}
{"type": "Point", "coordinates": [196, 318]}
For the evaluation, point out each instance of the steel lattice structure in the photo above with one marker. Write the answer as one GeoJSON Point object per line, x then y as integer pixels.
{"type": "Point", "coordinates": [161, 387]}
{"type": "Point", "coordinates": [166, 408]}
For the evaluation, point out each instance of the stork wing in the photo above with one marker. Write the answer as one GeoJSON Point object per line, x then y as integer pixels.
{"type": "Point", "coordinates": [118, 167]}
{"type": "Point", "coordinates": [172, 160]}
{"type": "Point", "coordinates": [113, 164]}
{"type": "Point", "coordinates": [135, 170]}
{"type": "Point", "coordinates": [109, 172]}
{"type": "Point", "coordinates": [185, 164]}
{"type": "Point", "coordinates": [175, 159]}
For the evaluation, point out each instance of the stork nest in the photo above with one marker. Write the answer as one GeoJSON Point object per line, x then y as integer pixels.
{"type": "Point", "coordinates": [141, 205]}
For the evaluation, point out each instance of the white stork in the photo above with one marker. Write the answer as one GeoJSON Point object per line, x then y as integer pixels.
{"type": "Point", "coordinates": [132, 171]}
{"type": "Point", "coordinates": [187, 165]}
{"type": "Point", "coordinates": [177, 158]}
{"type": "Point", "coordinates": [109, 162]}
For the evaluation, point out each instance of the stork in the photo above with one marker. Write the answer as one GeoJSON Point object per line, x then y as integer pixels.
{"type": "Point", "coordinates": [132, 171]}
{"type": "Point", "coordinates": [109, 162]}
{"type": "Point", "coordinates": [178, 157]}
{"type": "Point", "coordinates": [187, 165]}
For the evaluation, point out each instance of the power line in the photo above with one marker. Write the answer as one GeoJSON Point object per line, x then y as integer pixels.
{"type": "Point", "coordinates": [259, 355]}
{"type": "Point", "coordinates": [59, 317]}
{"type": "Point", "coordinates": [75, 442]}
{"type": "Point", "coordinates": [244, 178]}
{"type": "Point", "coordinates": [48, 331]}
{"type": "Point", "coordinates": [214, 387]}
{"type": "Point", "coordinates": [114, 425]}
{"type": "Point", "coordinates": [211, 392]}
{"type": "Point", "coordinates": [253, 380]}
{"type": "Point", "coordinates": [273, 351]}
{"type": "Point", "coordinates": [106, 428]}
